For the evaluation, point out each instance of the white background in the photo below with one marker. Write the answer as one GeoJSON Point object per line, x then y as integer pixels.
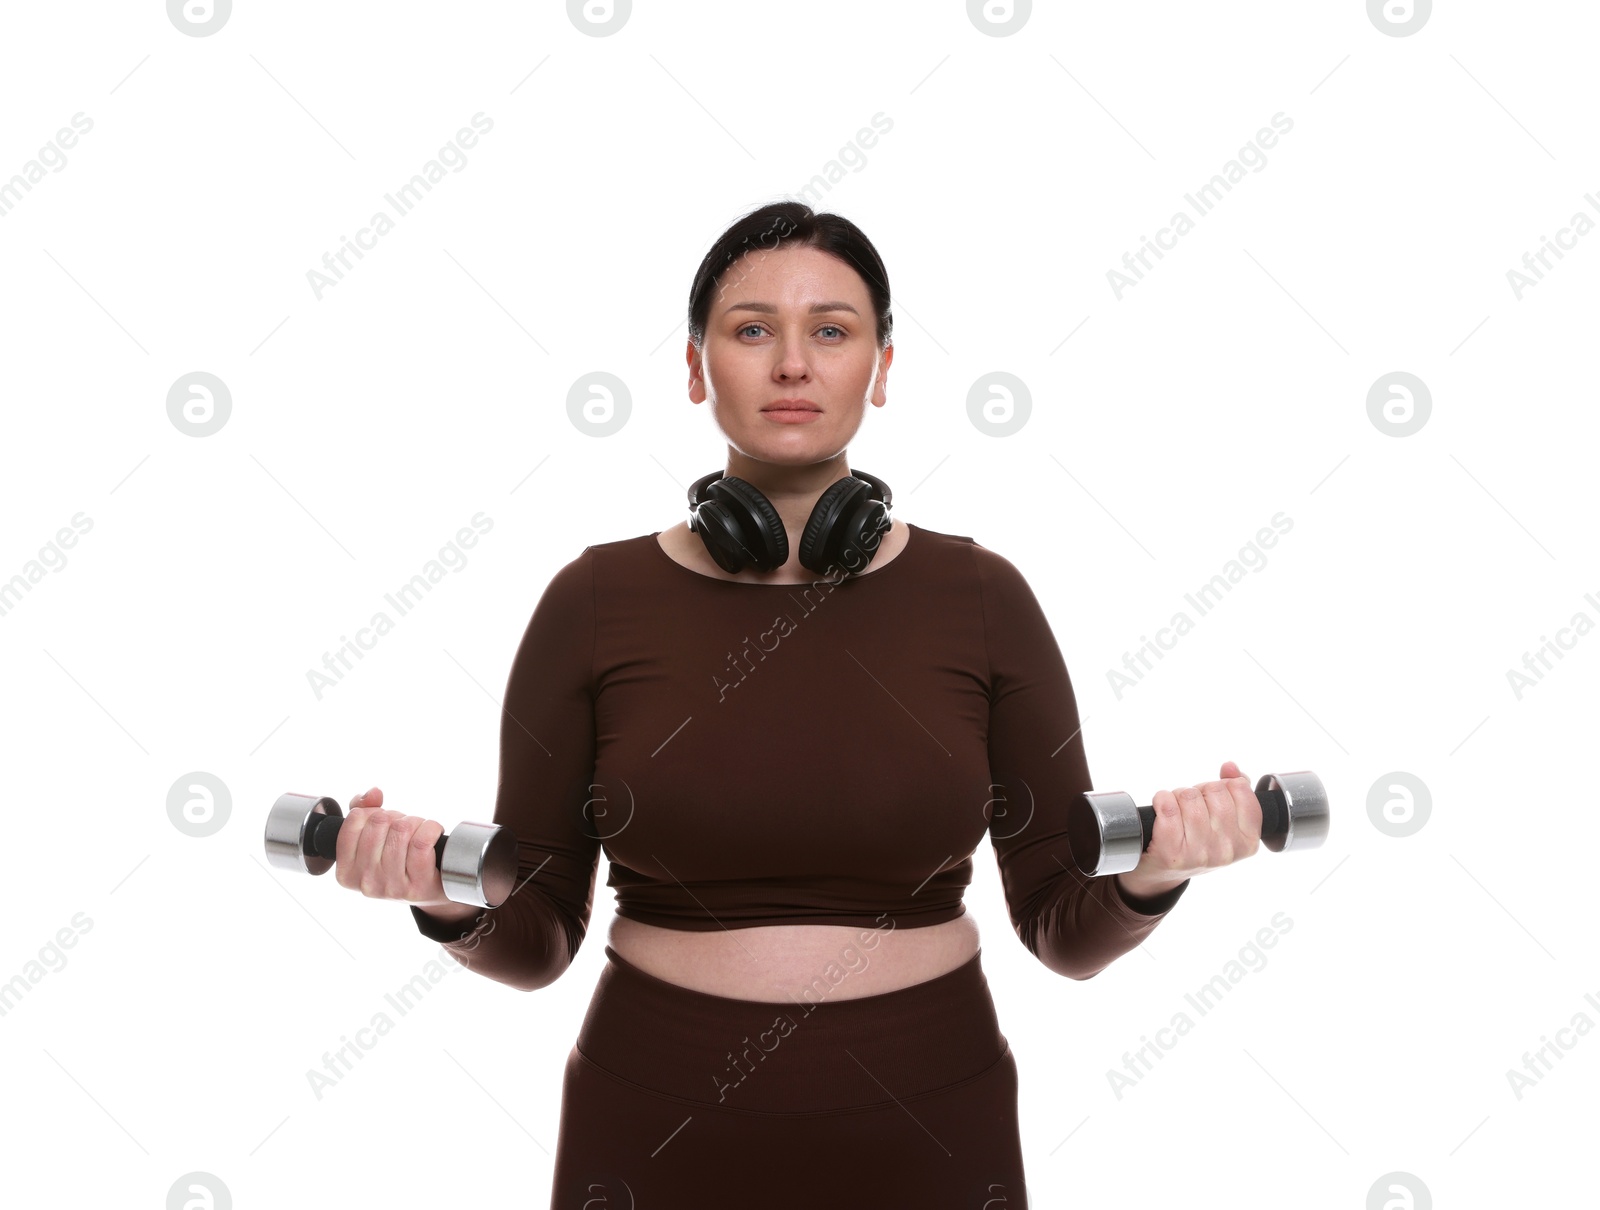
{"type": "Point", "coordinates": [1167, 427]}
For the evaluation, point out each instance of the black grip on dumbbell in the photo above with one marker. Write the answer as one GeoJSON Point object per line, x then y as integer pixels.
{"type": "Point", "coordinates": [1274, 812]}
{"type": "Point", "coordinates": [322, 838]}
{"type": "Point", "coordinates": [1274, 816]}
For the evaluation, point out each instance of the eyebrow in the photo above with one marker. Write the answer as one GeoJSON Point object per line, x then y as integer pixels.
{"type": "Point", "coordinates": [769, 309]}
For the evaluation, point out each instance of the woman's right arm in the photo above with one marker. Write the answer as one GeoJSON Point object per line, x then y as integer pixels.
{"type": "Point", "coordinates": [547, 749]}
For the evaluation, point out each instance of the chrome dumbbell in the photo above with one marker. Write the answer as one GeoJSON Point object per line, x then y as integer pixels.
{"type": "Point", "coordinates": [1108, 831]}
{"type": "Point", "coordinates": [477, 862]}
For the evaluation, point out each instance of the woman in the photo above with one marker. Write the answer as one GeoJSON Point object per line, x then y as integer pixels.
{"type": "Point", "coordinates": [789, 727]}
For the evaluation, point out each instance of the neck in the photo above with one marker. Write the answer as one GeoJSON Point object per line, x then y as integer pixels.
{"type": "Point", "coordinates": [793, 490]}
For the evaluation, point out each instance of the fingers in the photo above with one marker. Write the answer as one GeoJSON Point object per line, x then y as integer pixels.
{"type": "Point", "coordinates": [421, 863]}
{"type": "Point", "coordinates": [393, 857]}
{"type": "Point", "coordinates": [365, 808]}
{"type": "Point", "coordinates": [369, 849]}
{"type": "Point", "coordinates": [344, 849]}
{"type": "Point", "coordinates": [387, 854]}
{"type": "Point", "coordinates": [1223, 816]}
{"type": "Point", "coordinates": [368, 798]}
{"type": "Point", "coordinates": [1207, 825]}
{"type": "Point", "coordinates": [1249, 811]}
{"type": "Point", "coordinates": [365, 856]}
{"type": "Point", "coordinates": [1167, 840]}
{"type": "Point", "coordinates": [1234, 814]}
{"type": "Point", "coordinates": [1197, 827]}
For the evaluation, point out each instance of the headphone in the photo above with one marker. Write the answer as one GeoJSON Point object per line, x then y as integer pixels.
{"type": "Point", "coordinates": [741, 528]}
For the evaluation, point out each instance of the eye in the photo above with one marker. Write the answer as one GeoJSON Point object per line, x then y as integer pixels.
{"type": "Point", "coordinates": [757, 328]}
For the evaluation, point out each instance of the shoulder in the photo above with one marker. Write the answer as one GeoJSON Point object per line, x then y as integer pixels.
{"type": "Point", "coordinates": [998, 582]}
{"type": "Point", "coordinates": [618, 553]}
{"type": "Point", "coordinates": [956, 547]}
{"type": "Point", "coordinates": [578, 575]}
{"type": "Point", "coordinates": [619, 545]}
{"type": "Point", "coordinates": [990, 565]}
{"type": "Point", "coordinates": [1002, 586]}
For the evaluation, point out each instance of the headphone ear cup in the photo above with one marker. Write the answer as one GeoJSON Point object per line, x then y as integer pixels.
{"type": "Point", "coordinates": [747, 529]}
{"type": "Point", "coordinates": [720, 535]}
{"type": "Point", "coordinates": [862, 536]}
{"type": "Point", "coordinates": [838, 525]}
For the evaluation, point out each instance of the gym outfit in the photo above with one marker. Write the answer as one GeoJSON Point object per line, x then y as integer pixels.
{"type": "Point", "coordinates": [830, 752]}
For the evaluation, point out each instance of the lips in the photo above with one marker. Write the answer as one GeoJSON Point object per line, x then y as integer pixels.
{"type": "Point", "coordinates": [791, 413]}
{"type": "Point", "coordinates": [792, 405]}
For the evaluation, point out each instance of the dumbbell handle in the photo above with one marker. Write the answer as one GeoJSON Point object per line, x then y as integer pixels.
{"type": "Point", "coordinates": [477, 862]}
{"type": "Point", "coordinates": [1108, 832]}
{"type": "Point", "coordinates": [322, 838]}
{"type": "Point", "coordinates": [1274, 815]}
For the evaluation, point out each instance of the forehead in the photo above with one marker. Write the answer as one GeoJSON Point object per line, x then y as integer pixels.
{"type": "Point", "coordinates": [790, 277]}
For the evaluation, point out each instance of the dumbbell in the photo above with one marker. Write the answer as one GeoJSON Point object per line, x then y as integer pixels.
{"type": "Point", "coordinates": [477, 862]}
{"type": "Point", "coordinates": [1108, 832]}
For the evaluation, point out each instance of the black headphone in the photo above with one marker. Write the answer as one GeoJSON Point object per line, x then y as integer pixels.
{"type": "Point", "coordinates": [740, 527]}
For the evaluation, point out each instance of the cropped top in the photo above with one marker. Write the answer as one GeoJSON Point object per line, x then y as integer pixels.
{"type": "Point", "coordinates": [828, 752]}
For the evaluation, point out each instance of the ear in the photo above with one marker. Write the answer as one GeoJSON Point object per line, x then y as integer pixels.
{"type": "Point", "coordinates": [879, 395]}
{"type": "Point", "coordinates": [697, 382]}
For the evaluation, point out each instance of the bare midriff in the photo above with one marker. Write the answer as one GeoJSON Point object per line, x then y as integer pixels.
{"type": "Point", "coordinates": [774, 962]}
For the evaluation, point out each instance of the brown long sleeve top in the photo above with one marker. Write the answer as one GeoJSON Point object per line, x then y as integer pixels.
{"type": "Point", "coordinates": [827, 753]}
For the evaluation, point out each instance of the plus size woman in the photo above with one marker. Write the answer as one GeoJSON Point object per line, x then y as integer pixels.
{"type": "Point", "coordinates": [788, 721]}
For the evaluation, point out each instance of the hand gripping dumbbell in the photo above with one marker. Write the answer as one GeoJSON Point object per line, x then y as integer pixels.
{"type": "Point", "coordinates": [477, 862]}
{"type": "Point", "coordinates": [1108, 832]}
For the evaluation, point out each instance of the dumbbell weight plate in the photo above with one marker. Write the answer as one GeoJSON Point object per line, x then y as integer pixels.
{"type": "Point", "coordinates": [1105, 832]}
{"type": "Point", "coordinates": [1305, 802]}
{"type": "Point", "coordinates": [291, 825]}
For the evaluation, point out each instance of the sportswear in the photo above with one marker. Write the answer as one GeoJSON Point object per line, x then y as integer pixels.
{"type": "Point", "coordinates": [830, 752]}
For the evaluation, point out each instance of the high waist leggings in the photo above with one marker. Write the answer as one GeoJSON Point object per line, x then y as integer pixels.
{"type": "Point", "coordinates": [674, 1098]}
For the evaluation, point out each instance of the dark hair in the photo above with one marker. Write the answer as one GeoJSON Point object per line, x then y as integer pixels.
{"type": "Point", "coordinates": [790, 223]}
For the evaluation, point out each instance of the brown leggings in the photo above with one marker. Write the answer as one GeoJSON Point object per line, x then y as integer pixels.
{"type": "Point", "coordinates": [677, 1098]}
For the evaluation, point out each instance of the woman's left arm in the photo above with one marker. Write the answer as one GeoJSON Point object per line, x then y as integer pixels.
{"type": "Point", "coordinates": [1073, 924]}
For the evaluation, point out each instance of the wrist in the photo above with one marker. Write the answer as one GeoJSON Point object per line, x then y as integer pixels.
{"type": "Point", "coordinates": [448, 910]}
{"type": "Point", "coordinates": [1135, 887]}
